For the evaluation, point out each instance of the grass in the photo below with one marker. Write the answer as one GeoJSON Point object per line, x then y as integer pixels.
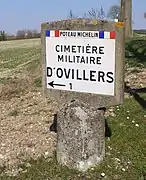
{"type": "Point", "coordinates": [6, 45]}
{"type": "Point", "coordinates": [17, 57]}
{"type": "Point", "coordinates": [38, 82]}
{"type": "Point", "coordinates": [20, 56]}
{"type": "Point", "coordinates": [125, 153]}
{"type": "Point", "coordinates": [136, 52]}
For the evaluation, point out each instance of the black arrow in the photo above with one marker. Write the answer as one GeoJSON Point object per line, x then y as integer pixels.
{"type": "Point", "coordinates": [52, 84]}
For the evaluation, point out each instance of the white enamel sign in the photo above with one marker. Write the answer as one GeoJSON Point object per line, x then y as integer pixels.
{"type": "Point", "coordinates": [81, 61]}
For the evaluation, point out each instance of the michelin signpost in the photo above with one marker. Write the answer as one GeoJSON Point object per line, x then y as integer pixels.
{"type": "Point", "coordinates": [83, 70]}
{"type": "Point", "coordinates": [81, 62]}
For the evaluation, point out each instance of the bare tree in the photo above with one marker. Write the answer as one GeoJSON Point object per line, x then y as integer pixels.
{"type": "Point", "coordinates": [102, 15]}
{"type": "Point", "coordinates": [93, 13]}
{"type": "Point", "coordinates": [71, 15]}
{"type": "Point", "coordinates": [114, 12]}
{"type": "Point", "coordinates": [96, 14]}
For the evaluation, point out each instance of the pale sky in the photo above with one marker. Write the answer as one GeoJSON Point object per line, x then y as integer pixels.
{"type": "Point", "coordinates": [29, 14]}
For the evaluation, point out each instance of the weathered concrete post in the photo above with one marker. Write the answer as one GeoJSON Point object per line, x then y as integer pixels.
{"type": "Point", "coordinates": [83, 70]}
{"type": "Point", "coordinates": [80, 140]}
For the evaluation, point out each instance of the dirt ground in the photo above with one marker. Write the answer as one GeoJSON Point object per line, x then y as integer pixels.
{"type": "Point", "coordinates": [25, 117]}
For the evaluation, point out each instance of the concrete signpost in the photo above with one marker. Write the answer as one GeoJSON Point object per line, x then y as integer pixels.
{"type": "Point", "coordinates": [83, 70]}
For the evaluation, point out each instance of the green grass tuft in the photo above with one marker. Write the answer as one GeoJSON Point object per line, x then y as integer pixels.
{"type": "Point", "coordinates": [38, 82]}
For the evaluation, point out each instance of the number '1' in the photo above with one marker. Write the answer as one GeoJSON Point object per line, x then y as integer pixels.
{"type": "Point", "coordinates": [70, 85]}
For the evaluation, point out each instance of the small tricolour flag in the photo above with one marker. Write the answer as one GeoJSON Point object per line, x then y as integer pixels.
{"type": "Point", "coordinates": [52, 33]}
{"type": "Point", "coordinates": [107, 35]}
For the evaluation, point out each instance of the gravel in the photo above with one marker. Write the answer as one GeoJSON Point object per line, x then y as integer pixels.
{"type": "Point", "coordinates": [24, 128]}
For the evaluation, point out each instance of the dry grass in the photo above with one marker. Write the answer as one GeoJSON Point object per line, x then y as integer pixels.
{"type": "Point", "coordinates": [19, 44]}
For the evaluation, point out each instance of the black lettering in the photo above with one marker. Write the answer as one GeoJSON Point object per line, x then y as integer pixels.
{"type": "Point", "coordinates": [61, 33]}
{"type": "Point", "coordinates": [83, 49]}
{"type": "Point", "coordinates": [94, 49]}
{"type": "Point", "coordinates": [85, 34]}
{"type": "Point", "coordinates": [82, 60]}
{"type": "Point", "coordinates": [66, 58]}
{"type": "Point", "coordinates": [101, 50]}
{"type": "Point", "coordinates": [49, 71]}
{"type": "Point", "coordinates": [74, 49]}
{"type": "Point", "coordinates": [59, 73]}
{"type": "Point", "coordinates": [69, 59]}
{"type": "Point", "coordinates": [88, 49]}
{"type": "Point", "coordinates": [98, 60]}
{"type": "Point", "coordinates": [92, 75]}
{"type": "Point", "coordinates": [87, 59]}
{"type": "Point", "coordinates": [74, 59]}
{"type": "Point", "coordinates": [109, 75]}
{"type": "Point", "coordinates": [60, 58]}
{"type": "Point", "coordinates": [96, 34]}
{"type": "Point", "coordinates": [57, 46]}
{"type": "Point", "coordinates": [61, 48]}
{"type": "Point", "coordinates": [74, 34]}
{"type": "Point", "coordinates": [67, 73]}
{"type": "Point", "coordinates": [90, 35]}
{"type": "Point", "coordinates": [70, 85]}
{"type": "Point", "coordinates": [66, 48]}
{"type": "Point", "coordinates": [92, 60]}
{"type": "Point", "coordinates": [79, 33]}
{"type": "Point", "coordinates": [78, 58]}
{"type": "Point", "coordinates": [73, 76]}
{"type": "Point", "coordinates": [79, 49]}
{"type": "Point", "coordinates": [84, 76]}
{"type": "Point", "coordinates": [101, 75]}
{"type": "Point", "coordinates": [78, 78]}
